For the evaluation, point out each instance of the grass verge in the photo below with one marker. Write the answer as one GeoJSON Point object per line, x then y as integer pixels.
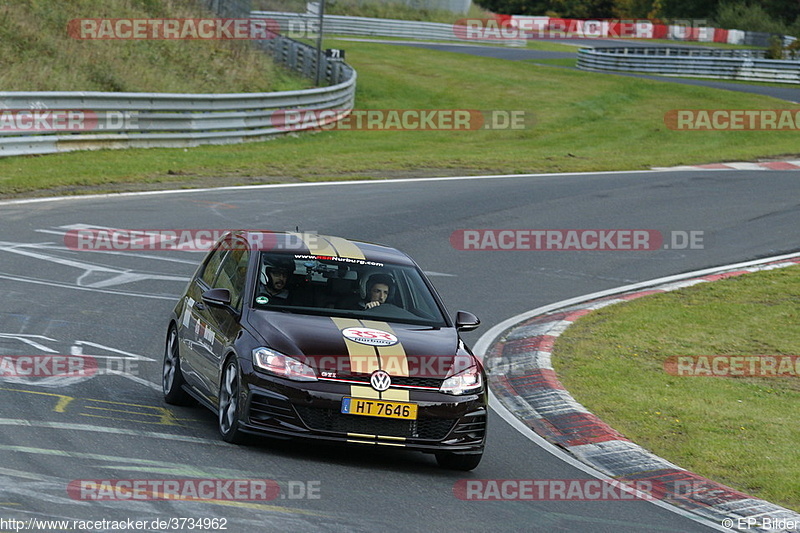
{"type": "Point", "coordinates": [740, 431]}
{"type": "Point", "coordinates": [37, 54]}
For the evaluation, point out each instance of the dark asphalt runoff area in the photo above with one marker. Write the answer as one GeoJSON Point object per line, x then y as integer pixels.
{"type": "Point", "coordinates": [114, 305]}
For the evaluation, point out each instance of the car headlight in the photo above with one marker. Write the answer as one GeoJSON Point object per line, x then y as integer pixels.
{"type": "Point", "coordinates": [282, 365]}
{"type": "Point", "coordinates": [466, 381]}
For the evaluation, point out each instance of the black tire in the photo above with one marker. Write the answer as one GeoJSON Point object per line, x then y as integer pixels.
{"type": "Point", "coordinates": [171, 377]}
{"type": "Point", "coordinates": [453, 461]}
{"type": "Point", "coordinates": [229, 410]}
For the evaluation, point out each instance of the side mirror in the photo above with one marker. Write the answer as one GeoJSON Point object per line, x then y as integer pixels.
{"type": "Point", "coordinates": [217, 297]}
{"type": "Point", "coordinates": [466, 321]}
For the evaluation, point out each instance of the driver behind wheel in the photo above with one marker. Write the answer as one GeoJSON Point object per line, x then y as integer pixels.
{"type": "Point", "coordinates": [379, 288]}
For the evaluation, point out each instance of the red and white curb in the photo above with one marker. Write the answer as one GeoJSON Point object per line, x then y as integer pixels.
{"type": "Point", "coordinates": [762, 165]}
{"type": "Point", "coordinates": [521, 377]}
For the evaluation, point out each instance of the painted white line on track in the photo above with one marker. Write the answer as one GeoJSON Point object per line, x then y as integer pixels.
{"type": "Point", "coordinates": [315, 184]}
{"type": "Point", "coordinates": [110, 430]}
{"type": "Point", "coordinates": [89, 289]}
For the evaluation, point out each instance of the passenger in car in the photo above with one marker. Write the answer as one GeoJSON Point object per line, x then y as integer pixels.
{"type": "Point", "coordinates": [274, 279]}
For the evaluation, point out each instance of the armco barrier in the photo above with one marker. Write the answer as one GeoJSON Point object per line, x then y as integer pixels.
{"type": "Point", "coordinates": [521, 26]}
{"type": "Point", "coordinates": [745, 65]}
{"type": "Point", "coordinates": [301, 25]}
{"type": "Point", "coordinates": [146, 120]}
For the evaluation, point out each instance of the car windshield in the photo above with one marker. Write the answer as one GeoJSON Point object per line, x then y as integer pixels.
{"type": "Point", "coordinates": [339, 286]}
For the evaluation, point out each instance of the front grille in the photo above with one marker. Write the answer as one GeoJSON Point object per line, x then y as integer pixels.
{"type": "Point", "coordinates": [412, 381]}
{"type": "Point", "coordinates": [336, 422]}
{"type": "Point", "coordinates": [400, 381]}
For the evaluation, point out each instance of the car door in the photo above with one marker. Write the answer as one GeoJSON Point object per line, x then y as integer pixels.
{"type": "Point", "coordinates": [191, 322]}
{"type": "Point", "coordinates": [217, 326]}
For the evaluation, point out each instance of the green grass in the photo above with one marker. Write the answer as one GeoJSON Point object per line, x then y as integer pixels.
{"type": "Point", "coordinates": [37, 54]}
{"type": "Point", "coordinates": [583, 122]}
{"type": "Point", "coordinates": [560, 62]}
{"type": "Point", "coordinates": [739, 431]}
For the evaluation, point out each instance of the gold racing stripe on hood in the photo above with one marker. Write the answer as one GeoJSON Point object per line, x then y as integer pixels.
{"type": "Point", "coordinates": [363, 358]}
{"type": "Point", "coordinates": [393, 358]}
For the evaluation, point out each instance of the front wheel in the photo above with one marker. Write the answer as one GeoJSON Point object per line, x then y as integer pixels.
{"type": "Point", "coordinates": [171, 377]}
{"type": "Point", "coordinates": [229, 404]}
{"type": "Point", "coordinates": [454, 461]}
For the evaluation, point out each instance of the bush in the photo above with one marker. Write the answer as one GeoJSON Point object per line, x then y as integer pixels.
{"type": "Point", "coordinates": [747, 17]}
{"type": "Point", "coordinates": [775, 48]}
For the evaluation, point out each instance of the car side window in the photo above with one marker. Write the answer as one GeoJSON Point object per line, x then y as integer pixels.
{"type": "Point", "coordinates": [226, 268]}
{"type": "Point", "coordinates": [212, 265]}
{"type": "Point", "coordinates": [232, 274]}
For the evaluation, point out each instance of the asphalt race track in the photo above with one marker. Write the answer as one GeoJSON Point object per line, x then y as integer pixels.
{"type": "Point", "coordinates": [113, 305]}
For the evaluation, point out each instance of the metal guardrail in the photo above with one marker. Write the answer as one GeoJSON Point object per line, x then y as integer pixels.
{"type": "Point", "coordinates": [146, 120]}
{"type": "Point", "coordinates": [744, 65]}
{"type": "Point", "coordinates": [303, 24]}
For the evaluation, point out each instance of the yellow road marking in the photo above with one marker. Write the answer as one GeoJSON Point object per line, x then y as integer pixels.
{"type": "Point", "coordinates": [61, 404]}
{"type": "Point", "coordinates": [166, 418]}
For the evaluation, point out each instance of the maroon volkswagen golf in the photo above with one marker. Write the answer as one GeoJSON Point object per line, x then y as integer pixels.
{"type": "Point", "coordinates": [297, 335]}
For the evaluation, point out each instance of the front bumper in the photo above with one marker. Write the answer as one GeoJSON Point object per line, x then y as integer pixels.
{"type": "Point", "coordinates": [312, 410]}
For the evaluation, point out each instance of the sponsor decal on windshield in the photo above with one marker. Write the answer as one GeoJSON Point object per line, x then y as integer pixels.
{"type": "Point", "coordinates": [340, 259]}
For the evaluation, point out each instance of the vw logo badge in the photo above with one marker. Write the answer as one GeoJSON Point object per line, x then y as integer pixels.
{"type": "Point", "coordinates": [380, 380]}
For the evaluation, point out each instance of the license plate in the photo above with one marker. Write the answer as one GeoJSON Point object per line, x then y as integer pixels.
{"type": "Point", "coordinates": [381, 408]}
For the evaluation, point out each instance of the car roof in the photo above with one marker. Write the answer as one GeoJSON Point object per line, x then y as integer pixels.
{"type": "Point", "coordinates": [294, 243]}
